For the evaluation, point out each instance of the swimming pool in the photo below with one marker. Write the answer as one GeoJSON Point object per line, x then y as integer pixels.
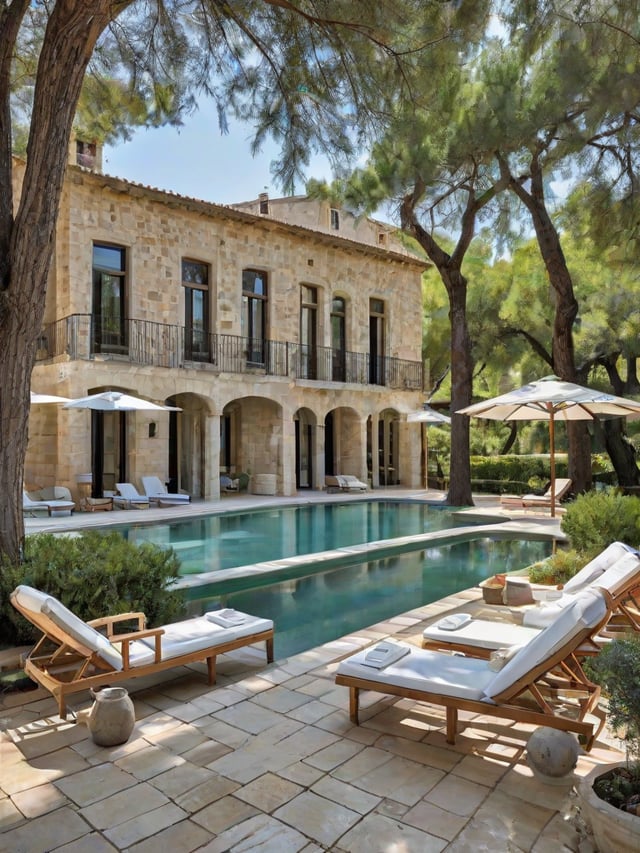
{"type": "Point", "coordinates": [213, 542]}
{"type": "Point", "coordinates": [323, 606]}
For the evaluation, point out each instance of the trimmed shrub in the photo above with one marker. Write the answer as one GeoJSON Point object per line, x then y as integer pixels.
{"type": "Point", "coordinates": [513, 474]}
{"type": "Point", "coordinates": [558, 568]}
{"type": "Point", "coordinates": [597, 519]}
{"type": "Point", "coordinates": [93, 574]}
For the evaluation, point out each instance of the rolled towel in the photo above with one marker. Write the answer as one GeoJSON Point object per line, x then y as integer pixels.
{"type": "Point", "coordinates": [227, 617]}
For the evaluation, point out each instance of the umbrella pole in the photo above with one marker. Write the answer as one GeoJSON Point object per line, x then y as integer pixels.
{"type": "Point", "coordinates": [552, 463]}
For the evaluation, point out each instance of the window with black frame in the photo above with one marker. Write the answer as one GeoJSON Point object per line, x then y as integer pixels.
{"type": "Point", "coordinates": [195, 281]}
{"type": "Point", "coordinates": [254, 315]}
{"type": "Point", "coordinates": [109, 328]}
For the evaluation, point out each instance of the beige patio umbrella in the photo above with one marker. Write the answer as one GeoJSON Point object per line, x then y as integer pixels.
{"type": "Point", "coordinates": [551, 399]}
{"type": "Point", "coordinates": [428, 416]}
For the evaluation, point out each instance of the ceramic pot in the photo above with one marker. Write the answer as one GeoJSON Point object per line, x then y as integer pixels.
{"type": "Point", "coordinates": [614, 831]}
{"type": "Point", "coordinates": [112, 716]}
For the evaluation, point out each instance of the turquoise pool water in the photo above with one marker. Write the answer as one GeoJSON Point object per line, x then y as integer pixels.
{"type": "Point", "coordinates": [213, 542]}
{"type": "Point", "coordinates": [321, 607]}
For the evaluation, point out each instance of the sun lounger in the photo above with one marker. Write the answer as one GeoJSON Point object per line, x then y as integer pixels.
{"type": "Point", "coordinates": [344, 483]}
{"type": "Point", "coordinates": [51, 507]}
{"type": "Point", "coordinates": [73, 655]}
{"type": "Point", "coordinates": [155, 490]}
{"type": "Point", "coordinates": [129, 497]}
{"type": "Point", "coordinates": [561, 487]}
{"type": "Point", "coordinates": [480, 637]}
{"type": "Point", "coordinates": [541, 684]}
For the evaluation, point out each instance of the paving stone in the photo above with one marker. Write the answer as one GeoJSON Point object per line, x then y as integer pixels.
{"type": "Point", "coordinates": [341, 792]}
{"type": "Point", "coordinates": [38, 801]}
{"type": "Point", "coordinates": [435, 820]}
{"type": "Point", "coordinates": [45, 833]}
{"type": "Point", "coordinates": [149, 762]}
{"type": "Point", "coordinates": [181, 779]}
{"type": "Point", "coordinates": [91, 843]}
{"type": "Point", "coordinates": [95, 784]}
{"type": "Point", "coordinates": [320, 819]}
{"type": "Point", "coordinates": [124, 806]}
{"type": "Point", "coordinates": [10, 814]}
{"type": "Point", "coordinates": [208, 792]}
{"type": "Point", "coordinates": [223, 814]}
{"type": "Point", "coordinates": [268, 792]}
{"type": "Point", "coordinates": [457, 795]}
{"type": "Point", "coordinates": [123, 835]}
{"type": "Point", "coordinates": [260, 834]}
{"type": "Point", "coordinates": [377, 832]}
{"type": "Point", "coordinates": [182, 837]}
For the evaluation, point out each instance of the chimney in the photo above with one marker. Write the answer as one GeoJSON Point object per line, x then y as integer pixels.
{"type": "Point", "coordinates": [85, 154]}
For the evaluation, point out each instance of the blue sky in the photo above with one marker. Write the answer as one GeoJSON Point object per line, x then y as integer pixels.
{"type": "Point", "coordinates": [197, 161]}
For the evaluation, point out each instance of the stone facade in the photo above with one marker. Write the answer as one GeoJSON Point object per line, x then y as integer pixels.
{"type": "Point", "coordinates": [295, 410]}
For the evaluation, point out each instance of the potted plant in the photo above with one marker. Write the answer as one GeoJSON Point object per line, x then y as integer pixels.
{"type": "Point", "coordinates": [610, 795]}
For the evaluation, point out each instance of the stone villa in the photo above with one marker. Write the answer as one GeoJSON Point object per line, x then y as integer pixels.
{"type": "Point", "coordinates": [288, 334]}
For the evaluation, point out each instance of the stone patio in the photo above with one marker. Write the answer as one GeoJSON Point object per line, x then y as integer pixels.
{"type": "Point", "coordinates": [268, 760]}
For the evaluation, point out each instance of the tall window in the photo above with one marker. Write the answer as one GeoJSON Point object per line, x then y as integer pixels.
{"type": "Point", "coordinates": [338, 339]}
{"type": "Point", "coordinates": [309, 331]}
{"type": "Point", "coordinates": [254, 314]}
{"type": "Point", "coordinates": [335, 219]}
{"type": "Point", "coordinates": [109, 303]}
{"type": "Point", "coordinates": [195, 280]}
{"type": "Point", "coordinates": [376, 341]}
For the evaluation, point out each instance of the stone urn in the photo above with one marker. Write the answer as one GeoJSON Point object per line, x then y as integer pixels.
{"type": "Point", "coordinates": [614, 831]}
{"type": "Point", "coordinates": [112, 716]}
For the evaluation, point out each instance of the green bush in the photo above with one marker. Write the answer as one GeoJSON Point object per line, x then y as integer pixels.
{"type": "Point", "coordinates": [597, 519]}
{"type": "Point", "coordinates": [617, 668]}
{"type": "Point", "coordinates": [513, 473]}
{"type": "Point", "coordinates": [93, 574]}
{"type": "Point", "coordinates": [558, 568]}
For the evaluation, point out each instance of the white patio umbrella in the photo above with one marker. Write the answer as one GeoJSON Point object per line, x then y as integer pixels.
{"type": "Point", "coordinates": [428, 416]}
{"type": "Point", "coordinates": [47, 398]}
{"type": "Point", "coordinates": [116, 401]}
{"type": "Point", "coordinates": [551, 399]}
{"type": "Point", "coordinates": [113, 401]}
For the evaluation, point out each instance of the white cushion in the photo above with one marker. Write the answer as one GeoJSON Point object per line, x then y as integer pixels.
{"type": "Point", "coordinates": [620, 574]}
{"type": "Point", "coordinates": [585, 611]}
{"type": "Point", "coordinates": [421, 669]}
{"type": "Point", "coordinates": [33, 600]}
{"type": "Point", "coordinates": [587, 574]}
{"type": "Point", "coordinates": [482, 633]}
{"type": "Point", "coordinates": [193, 635]}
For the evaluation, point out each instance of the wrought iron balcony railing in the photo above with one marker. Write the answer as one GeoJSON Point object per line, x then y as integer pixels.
{"type": "Point", "coordinates": [84, 336]}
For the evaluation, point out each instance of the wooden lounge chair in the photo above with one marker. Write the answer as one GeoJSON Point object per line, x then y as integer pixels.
{"type": "Point", "coordinates": [156, 491]}
{"type": "Point", "coordinates": [344, 483]}
{"type": "Point", "coordinates": [73, 655]}
{"type": "Point", "coordinates": [562, 486]}
{"type": "Point", "coordinates": [52, 506]}
{"type": "Point", "coordinates": [129, 497]}
{"type": "Point", "coordinates": [482, 637]}
{"type": "Point", "coordinates": [542, 684]}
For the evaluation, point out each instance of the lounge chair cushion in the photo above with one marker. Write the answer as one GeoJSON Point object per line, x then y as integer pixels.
{"type": "Point", "coordinates": [482, 633]}
{"type": "Point", "coordinates": [432, 672]}
{"type": "Point", "coordinates": [585, 611]}
{"type": "Point", "coordinates": [587, 574]}
{"type": "Point", "coordinates": [191, 635]}
{"type": "Point", "coordinates": [39, 602]}
{"type": "Point", "coordinates": [613, 579]}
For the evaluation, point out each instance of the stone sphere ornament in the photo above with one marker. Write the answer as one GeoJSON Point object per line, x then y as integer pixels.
{"type": "Point", "coordinates": [552, 754]}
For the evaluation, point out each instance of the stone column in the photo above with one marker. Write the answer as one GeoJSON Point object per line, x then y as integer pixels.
{"type": "Point", "coordinates": [212, 458]}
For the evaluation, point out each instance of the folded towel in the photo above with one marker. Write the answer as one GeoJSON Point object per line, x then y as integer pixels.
{"type": "Point", "coordinates": [227, 618]}
{"type": "Point", "coordinates": [453, 622]}
{"type": "Point", "coordinates": [384, 654]}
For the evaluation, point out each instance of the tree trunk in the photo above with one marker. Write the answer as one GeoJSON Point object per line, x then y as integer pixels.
{"type": "Point", "coordinates": [621, 452]}
{"type": "Point", "coordinates": [566, 311]}
{"type": "Point", "coordinates": [71, 34]}
{"type": "Point", "coordinates": [461, 388]}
